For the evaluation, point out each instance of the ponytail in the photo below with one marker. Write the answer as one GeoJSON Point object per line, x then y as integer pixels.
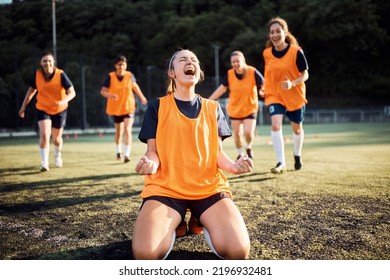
{"type": "Point", "coordinates": [171, 82]}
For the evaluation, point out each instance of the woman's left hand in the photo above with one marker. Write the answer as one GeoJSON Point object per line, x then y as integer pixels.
{"type": "Point", "coordinates": [243, 165]}
{"type": "Point", "coordinates": [62, 103]}
{"type": "Point", "coordinates": [287, 84]}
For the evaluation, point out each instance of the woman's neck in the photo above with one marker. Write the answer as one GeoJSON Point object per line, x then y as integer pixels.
{"type": "Point", "coordinates": [241, 71]}
{"type": "Point", "coordinates": [47, 75]}
{"type": "Point", "coordinates": [281, 47]}
{"type": "Point", "coordinates": [185, 93]}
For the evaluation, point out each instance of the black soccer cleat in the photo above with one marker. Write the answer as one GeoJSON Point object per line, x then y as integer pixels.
{"type": "Point", "coordinates": [298, 163]}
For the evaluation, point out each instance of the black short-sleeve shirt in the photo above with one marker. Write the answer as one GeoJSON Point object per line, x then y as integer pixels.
{"type": "Point", "coordinates": [190, 109]}
{"type": "Point", "coordinates": [65, 81]}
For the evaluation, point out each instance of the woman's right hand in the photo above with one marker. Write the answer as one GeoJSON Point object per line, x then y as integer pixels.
{"type": "Point", "coordinates": [21, 113]}
{"type": "Point", "coordinates": [112, 96]}
{"type": "Point", "coordinates": [146, 166]}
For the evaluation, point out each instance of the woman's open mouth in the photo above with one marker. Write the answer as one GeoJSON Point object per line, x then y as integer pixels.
{"type": "Point", "coordinates": [189, 71]}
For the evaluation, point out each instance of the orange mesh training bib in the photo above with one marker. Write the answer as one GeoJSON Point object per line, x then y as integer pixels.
{"type": "Point", "coordinates": [276, 71]}
{"type": "Point", "coordinates": [50, 92]}
{"type": "Point", "coordinates": [125, 102]}
{"type": "Point", "coordinates": [188, 150]}
{"type": "Point", "coordinates": [243, 99]}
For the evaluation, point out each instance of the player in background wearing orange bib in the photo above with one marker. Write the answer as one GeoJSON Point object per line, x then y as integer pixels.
{"type": "Point", "coordinates": [119, 88]}
{"type": "Point", "coordinates": [54, 91]}
{"type": "Point", "coordinates": [285, 73]}
{"type": "Point", "coordinates": [183, 168]}
{"type": "Point", "coordinates": [244, 83]}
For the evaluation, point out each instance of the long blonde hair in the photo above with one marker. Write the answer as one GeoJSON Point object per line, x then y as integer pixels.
{"type": "Point", "coordinates": [290, 39]}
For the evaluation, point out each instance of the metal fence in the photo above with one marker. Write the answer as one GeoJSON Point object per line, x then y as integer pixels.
{"type": "Point", "coordinates": [339, 116]}
{"type": "Point", "coordinates": [312, 116]}
{"type": "Point", "coordinates": [325, 115]}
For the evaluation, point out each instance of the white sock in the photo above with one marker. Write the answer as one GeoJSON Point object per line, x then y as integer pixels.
{"type": "Point", "coordinates": [173, 242]}
{"type": "Point", "coordinates": [44, 152]}
{"type": "Point", "coordinates": [57, 151]}
{"type": "Point", "coordinates": [119, 148]}
{"type": "Point", "coordinates": [127, 150]}
{"type": "Point", "coordinates": [206, 235]}
{"type": "Point", "coordinates": [277, 140]}
{"type": "Point", "coordinates": [240, 151]}
{"type": "Point", "coordinates": [298, 143]}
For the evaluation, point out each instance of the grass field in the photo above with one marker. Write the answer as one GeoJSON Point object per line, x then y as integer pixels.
{"type": "Point", "coordinates": [336, 207]}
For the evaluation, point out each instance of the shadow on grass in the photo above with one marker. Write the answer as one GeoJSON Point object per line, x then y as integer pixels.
{"type": "Point", "coordinates": [186, 255]}
{"type": "Point", "coordinates": [29, 170]}
{"type": "Point", "coordinates": [56, 182]}
{"type": "Point", "coordinates": [58, 203]}
{"type": "Point", "coordinates": [116, 251]}
{"type": "Point", "coordinates": [250, 177]}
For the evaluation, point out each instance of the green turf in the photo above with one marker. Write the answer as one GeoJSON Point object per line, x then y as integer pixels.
{"type": "Point", "coordinates": [336, 207]}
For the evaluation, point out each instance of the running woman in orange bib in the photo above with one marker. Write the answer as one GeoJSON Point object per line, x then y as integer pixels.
{"type": "Point", "coordinates": [244, 83]}
{"type": "Point", "coordinates": [54, 90]}
{"type": "Point", "coordinates": [183, 168]}
{"type": "Point", "coordinates": [119, 88]}
{"type": "Point", "coordinates": [285, 73]}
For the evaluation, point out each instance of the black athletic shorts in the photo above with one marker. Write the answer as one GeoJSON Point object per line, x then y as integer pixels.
{"type": "Point", "coordinates": [57, 121]}
{"type": "Point", "coordinates": [251, 116]}
{"type": "Point", "coordinates": [197, 207]}
{"type": "Point", "coordinates": [119, 119]}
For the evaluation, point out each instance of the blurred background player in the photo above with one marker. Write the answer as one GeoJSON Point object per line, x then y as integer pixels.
{"type": "Point", "coordinates": [54, 90]}
{"type": "Point", "coordinates": [285, 73]}
{"type": "Point", "coordinates": [119, 88]}
{"type": "Point", "coordinates": [244, 83]}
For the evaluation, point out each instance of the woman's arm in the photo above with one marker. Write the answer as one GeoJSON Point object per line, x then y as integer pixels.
{"type": "Point", "coordinates": [288, 84]}
{"type": "Point", "coordinates": [70, 94]}
{"type": "Point", "coordinates": [218, 92]}
{"type": "Point", "coordinates": [138, 91]}
{"type": "Point", "coordinates": [105, 93]}
{"type": "Point", "coordinates": [243, 165]}
{"type": "Point", "coordinates": [29, 95]}
{"type": "Point", "coordinates": [149, 163]}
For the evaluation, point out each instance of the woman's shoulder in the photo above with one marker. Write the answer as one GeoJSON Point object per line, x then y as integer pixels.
{"type": "Point", "coordinates": [153, 106]}
{"type": "Point", "coordinates": [207, 102]}
{"type": "Point", "coordinates": [231, 70]}
{"type": "Point", "coordinates": [252, 68]}
{"type": "Point", "coordinates": [267, 50]}
{"type": "Point", "coordinates": [154, 103]}
{"type": "Point", "coordinates": [295, 48]}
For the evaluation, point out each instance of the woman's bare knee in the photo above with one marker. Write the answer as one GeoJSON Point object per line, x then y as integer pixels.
{"type": "Point", "coordinates": [233, 250]}
{"type": "Point", "coordinates": [146, 253]}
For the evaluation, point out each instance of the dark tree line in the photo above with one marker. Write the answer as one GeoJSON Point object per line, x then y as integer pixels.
{"type": "Point", "coordinates": [345, 42]}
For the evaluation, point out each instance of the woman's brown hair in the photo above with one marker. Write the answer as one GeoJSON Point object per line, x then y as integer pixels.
{"type": "Point", "coordinates": [290, 39]}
